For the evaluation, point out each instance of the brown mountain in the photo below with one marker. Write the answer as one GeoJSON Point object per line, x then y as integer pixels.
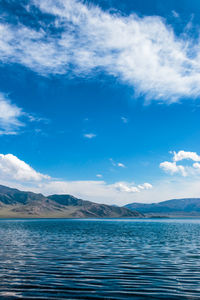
{"type": "Point", "coordinates": [19, 204]}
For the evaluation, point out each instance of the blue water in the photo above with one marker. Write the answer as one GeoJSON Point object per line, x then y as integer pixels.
{"type": "Point", "coordinates": [100, 259]}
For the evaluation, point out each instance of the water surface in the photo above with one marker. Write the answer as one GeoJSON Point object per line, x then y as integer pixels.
{"type": "Point", "coordinates": [100, 259]}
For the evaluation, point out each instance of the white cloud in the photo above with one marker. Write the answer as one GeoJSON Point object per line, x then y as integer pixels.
{"type": "Point", "coordinates": [124, 120]}
{"type": "Point", "coordinates": [170, 188]}
{"type": "Point", "coordinates": [16, 173]}
{"type": "Point", "coordinates": [172, 168]}
{"type": "Point", "coordinates": [148, 55]}
{"type": "Point", "coordinates": [117, 164]}
{"type": "Point", "coordinates": [13, 118]}
{"type": "Point", "coordinates": [99, 175]}
{"type": "Point", "coordinates": [10, 116]}
{"type": "Point", "coordinates": [145, 186]}
{"type": "Point", "coordinates": [196, 165]}
{"type": "Point", "coordinates": [186, 170]}
{"type": "Point", "coordinates": [121, 165]}
{"type": "Point", "coordinates": [126, 187]}
{"type": "Point", "coordinates": [175, 14]}
{"type": "Point", "coordinates": [112, 162]}
{"type": "Point", "coordinates": [94, 190]}
{"type": "Point", "coordinates": [99, 191]}
{"type": "Point", "coordinates": [129, 187]}
{"type": "Point", "coordinates": [181, 155]}
{"type": "Point", "coordinates": [13, 168]}
{"type": "Point", "coordinates": [89, 135]}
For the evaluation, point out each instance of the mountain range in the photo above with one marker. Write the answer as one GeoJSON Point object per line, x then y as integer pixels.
{"type": "Point", "coordinates": [23, 204]}
{"type": "Point", "coordinates": [175, 207]}
{"type": "Point", "coordinates": [20, 204]}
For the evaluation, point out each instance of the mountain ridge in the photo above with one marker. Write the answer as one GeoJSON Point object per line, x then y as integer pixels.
{"type": "Point", "coordinates": [24, 204]}
{"type": "Point", "coordinates": [173, 207]}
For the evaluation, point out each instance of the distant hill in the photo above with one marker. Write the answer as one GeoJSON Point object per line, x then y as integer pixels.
{"type": "Point", "coordinates": [19, 204]}
{"type": "Point", "coordinates": [175, 207]}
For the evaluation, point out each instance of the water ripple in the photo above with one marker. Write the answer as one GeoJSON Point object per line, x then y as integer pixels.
{"type": "Point", "coordinates": [100, 259]}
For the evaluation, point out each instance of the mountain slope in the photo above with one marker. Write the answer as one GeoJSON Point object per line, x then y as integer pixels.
{"type": "Point", "coordinates": [174, 207]}
{"type": "Point", "coordinates": [15, 203]}
{"type": "Point", "coordinates": [90, 209]}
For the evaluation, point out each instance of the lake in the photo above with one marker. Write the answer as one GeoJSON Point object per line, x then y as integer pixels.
{"type": "Point", "coordinates": [100, 259]}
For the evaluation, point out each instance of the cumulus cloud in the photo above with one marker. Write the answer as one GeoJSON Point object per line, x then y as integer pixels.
{"type": "Point", "coordinates": [131, 187]}
{"type": "Point", "coordinates": [13, 168]}
{"type": "Point", "coordinates": [181, 155]}
{"type": "Point", "coordinates": [196, 165]}
{"type": "Point", "coordinates": [172, 168]}
{"type": "Point", "coordinates": [125, 187]}
{"type": "Point", "coordinates": [186, 170]}
{"type": "Point", "coordinates": [148, 55]}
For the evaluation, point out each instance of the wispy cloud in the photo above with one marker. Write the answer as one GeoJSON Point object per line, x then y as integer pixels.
{"type": "Point", "coordinates": [117, 164]}
{"type": "Point", "coordinates": [89, 135]}
{"type": "Point", "coordinates": [10, 116]}
{"type": "Point", "coordinates": [13, 118]}
{"type": "Point", "coordinates": [175, 14]}
{"type": "Point", "coordinates": [148, 55]}
{"type": "Point", "coordinates": [99, 175]}
{"type": "Point", "coordinates": [124, 120]}
{"type": "Point", "coordinates": [121, 165]}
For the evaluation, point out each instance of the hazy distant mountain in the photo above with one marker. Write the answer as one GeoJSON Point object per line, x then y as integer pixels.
{"type": "Point", "coordinates": [15, 203]}
{"type": "Point", "coordinates": [174, 207]}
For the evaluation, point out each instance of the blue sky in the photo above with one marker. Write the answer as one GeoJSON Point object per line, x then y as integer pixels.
{"type": "Point", "coordinates": [100, 99]}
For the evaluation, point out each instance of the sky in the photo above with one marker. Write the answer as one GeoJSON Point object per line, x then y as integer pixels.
{"type": "Point", "coordinates": [100, 98]}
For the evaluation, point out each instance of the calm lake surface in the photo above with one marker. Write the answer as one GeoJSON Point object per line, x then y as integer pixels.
{"type": "Point", "coordinates": [100, 259]}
